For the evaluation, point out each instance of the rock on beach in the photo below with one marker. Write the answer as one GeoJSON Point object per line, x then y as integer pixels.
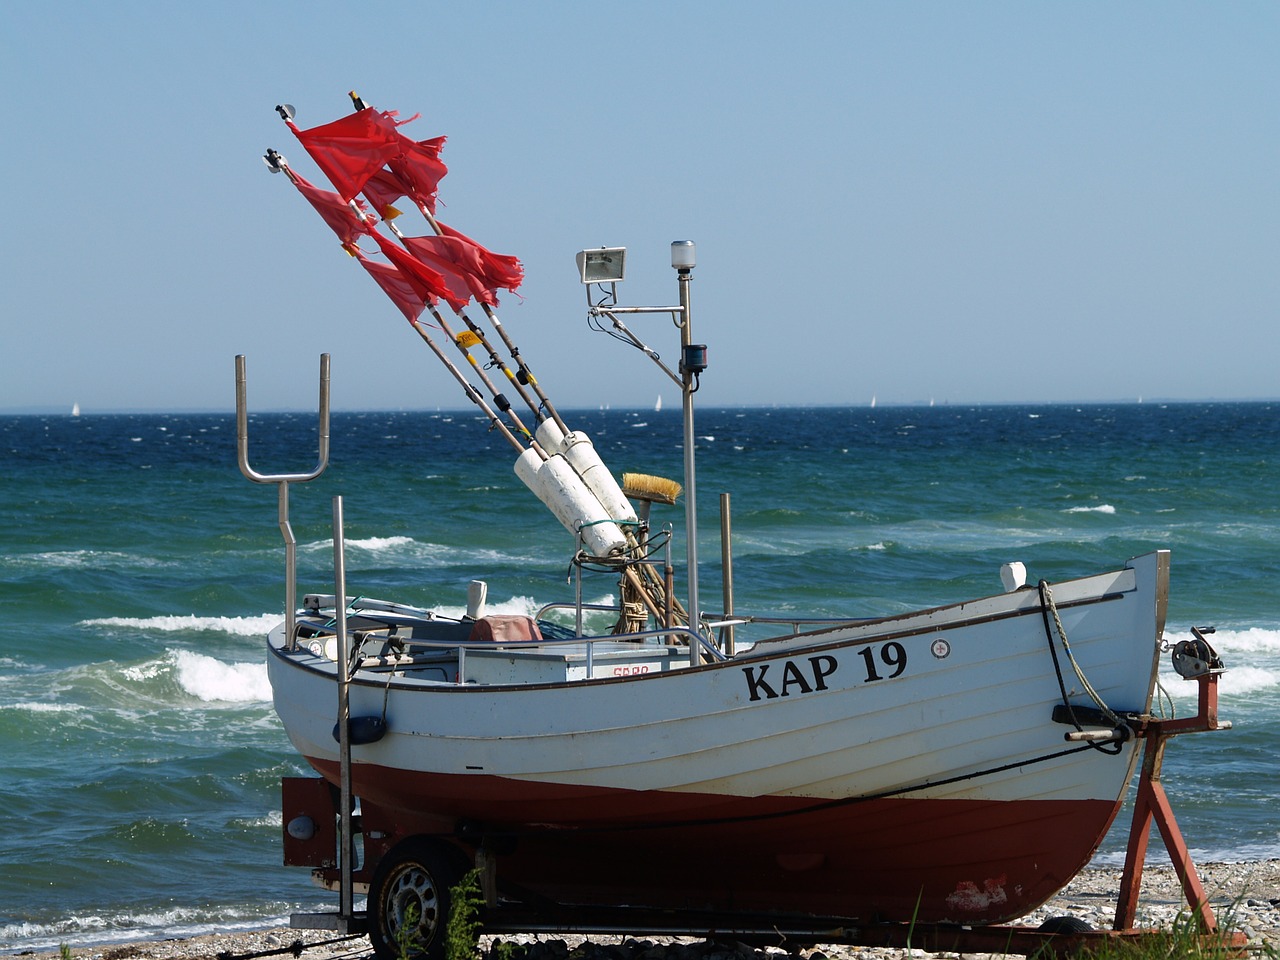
{"type": "Point", "coordinates": [1245, 897]}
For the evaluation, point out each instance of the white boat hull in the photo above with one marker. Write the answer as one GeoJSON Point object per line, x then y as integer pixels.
{"type": "Point", "coordinates": [894, 768]}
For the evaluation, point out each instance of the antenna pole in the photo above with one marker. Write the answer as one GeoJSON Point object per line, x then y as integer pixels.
{"type": "Point", "coordinates": [687, 377]}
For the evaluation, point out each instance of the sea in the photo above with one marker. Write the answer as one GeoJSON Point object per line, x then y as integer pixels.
{"type": "Point", "coordinates": [140, 572]}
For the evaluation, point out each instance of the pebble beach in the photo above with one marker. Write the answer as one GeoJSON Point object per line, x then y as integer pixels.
{"type": "Point", "coordinates": [1245, 897]}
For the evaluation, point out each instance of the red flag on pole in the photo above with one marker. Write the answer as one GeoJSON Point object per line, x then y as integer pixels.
{"type": "Point", "coordinates": [426, 281]}
{"type": "Point", "coordinates": [485, 272]}
{"type": "Point", "coordinates": [420, 169]}
{"type": "Point", "coordinates": [497, 269]}
{"type": "Point", "coordinates": [415, 173]}
{"type": "Point", "coordinates": [395, 285]}
{"type": "Point", "coordinates": [351, 149]}
{"type": "Point", "coordinates": [461, 283]}
{"type": "Point", "coordinates": [383, 189]}
{"type": "Point", "coordinates": [336, 212]}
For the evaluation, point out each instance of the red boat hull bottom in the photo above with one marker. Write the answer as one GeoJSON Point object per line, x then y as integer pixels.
{"type": "Point", "coordinates": [885, 859]}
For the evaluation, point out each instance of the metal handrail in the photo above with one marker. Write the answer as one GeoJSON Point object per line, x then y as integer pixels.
{"type": "Point", "coordinates": [283, 480]}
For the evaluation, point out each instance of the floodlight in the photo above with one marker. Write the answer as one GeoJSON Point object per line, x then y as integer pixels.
{"type": "Point", "coordinates": [602, 265]}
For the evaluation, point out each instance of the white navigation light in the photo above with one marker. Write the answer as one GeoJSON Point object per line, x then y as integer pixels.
{"type": "Point", "coordinates": [603, 265]}
{"type": "Point", "coordinates": [682, 255]}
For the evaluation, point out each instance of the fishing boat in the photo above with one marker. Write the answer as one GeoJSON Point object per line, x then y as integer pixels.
{"type": "Point", "coordinates": [955, 765]}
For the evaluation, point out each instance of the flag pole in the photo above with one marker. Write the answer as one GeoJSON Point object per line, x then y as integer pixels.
{"type": "Point", "coordinates": [517, 380]}
{"type": "Point", "coordinates": [279, 163]}
{"type": "Point", "coordinates": [499, 399]}
{"type": "Point", "coordinates": [525, 374]}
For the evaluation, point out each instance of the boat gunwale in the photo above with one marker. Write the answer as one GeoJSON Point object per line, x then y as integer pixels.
{"type": "Point", "coordinates": [388, 679]}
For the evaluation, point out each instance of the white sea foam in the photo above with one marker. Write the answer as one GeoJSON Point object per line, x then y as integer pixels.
{"type": "Point", "coordinates": [209, 679]}
{"type": "Point", "coordinates": [1100, 508]}
{"type": "Point", "coordinates": [44, 707]}
{"type": "Point", "coordinates": [257, 626]}
{"type": "Point", "coordinates": [1239, 681]}
{"type": "Point", "coordinates": [515, 606]}
{"type": "Point", "coordinates": [97, 929]}
{"type": "Point", "coordinates": [1251, 640]}
{"type": "Point", "coordinates": [64, 559]}
{"type": "Point", "coordinates": [377, 543]}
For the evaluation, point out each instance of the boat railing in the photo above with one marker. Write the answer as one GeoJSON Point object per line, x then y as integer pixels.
{"type": "Point", "coordinates": [453, 647]}
{"type": "Point", "coordinates": [795, 623]}
{"type": "Point", "coordinates": [565, 605]}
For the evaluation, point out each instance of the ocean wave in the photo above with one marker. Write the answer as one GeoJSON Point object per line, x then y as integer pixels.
{"type": "Point", "coordinates": [181, 673]}
{"type": "Point", "coordinates": [76, 559]}
{"type": "Point", "coordinates": [1239, 681]}
{"type": "Point", "coordinates": [377, 543]}
{"type": "Point", "coordinates": [1250, 640]}
{"type": "Point", "coordinates": [1100, 508]}
{"type": "Point", "coordinates": [43, 706]}
{"type": "Point", "coordinates": [211, 680]}
{"type": "Point", "coordinates": [256, 626]}
{"type": "Point", "coordinates": [97, 929]}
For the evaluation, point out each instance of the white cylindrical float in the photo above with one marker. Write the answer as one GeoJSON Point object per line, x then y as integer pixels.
{"type": "Point", "coordinates": [550, 436]}
{"type": "Point", "coordinates": [582, 456]}
{"type": "Point", "coordinates": [556, 484]}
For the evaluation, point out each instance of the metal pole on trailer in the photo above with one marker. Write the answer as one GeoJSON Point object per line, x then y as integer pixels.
{"type": "Point", "coordinates": [346, 901]}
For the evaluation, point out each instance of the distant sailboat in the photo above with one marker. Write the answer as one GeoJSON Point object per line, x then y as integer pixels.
{"type": "Point", "coordinates": [658, 405]}
{"type": "Point", "coordinates": [75, 409]}
{"type": "Point", "coordinates": [873, 401]}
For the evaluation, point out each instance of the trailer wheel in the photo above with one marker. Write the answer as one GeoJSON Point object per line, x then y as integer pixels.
{"type": "Point", "coordinates": [409, 900]}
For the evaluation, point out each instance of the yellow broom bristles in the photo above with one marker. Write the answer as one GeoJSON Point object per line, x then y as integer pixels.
{"type": "Point", "coordinates": [642, 486]}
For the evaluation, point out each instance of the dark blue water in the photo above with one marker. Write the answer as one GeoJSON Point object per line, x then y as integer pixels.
{"type": "Point", "coordinates": [139, 571]}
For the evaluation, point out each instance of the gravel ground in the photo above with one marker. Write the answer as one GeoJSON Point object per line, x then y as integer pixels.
{"type": "Point", "coordinates": [1244, 895]}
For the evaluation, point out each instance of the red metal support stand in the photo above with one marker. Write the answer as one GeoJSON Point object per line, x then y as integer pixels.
{"type": "Point", "coordinates": [1152, 803]}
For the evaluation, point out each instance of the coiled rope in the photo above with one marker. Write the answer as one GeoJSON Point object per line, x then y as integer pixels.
{"type": "Point", "coordinates": [1050, 609]}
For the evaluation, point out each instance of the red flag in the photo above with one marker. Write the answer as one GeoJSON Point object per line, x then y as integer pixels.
{"type": "Point", "coordinates": [426, 281]}
{"type": "Point", "coordinates": [498, 270]}
{"type": "Point", "coordinates": [419, 169]}
{"type": "Point", "coordinates": [350, 150]}
{"type": "Point", "coordinates": [396, 286]}
{"type": "Point", "coordinates": [462, 284]}
{"type": "Point", "coordinates": [383, 189]}
{"type": "Point", "coordinates": [483, 272]}
{"type": "Point", "coordinates": [415, 173]}
{"type": "Point", "coordinates": [336, 213]}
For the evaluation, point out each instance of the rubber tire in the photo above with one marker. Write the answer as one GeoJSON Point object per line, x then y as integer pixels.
{"type": "Point", "coordinates": [418, 872]}
{"type": "Point", "coordinates": [1064, 925]}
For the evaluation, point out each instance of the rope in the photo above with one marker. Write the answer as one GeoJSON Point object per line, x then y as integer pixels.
{"type": "Point", "coordinates": [1049, 608]}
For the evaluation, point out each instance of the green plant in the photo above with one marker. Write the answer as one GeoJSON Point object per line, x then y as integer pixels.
{"type": "Point", "coordinates": [408, 943]}
{"type": "Point", "coordinates": [64, 952]}
{"type": "Point", "coordinates": [506, 950]}
{"type": "Point", "coordinates": [462, 932]}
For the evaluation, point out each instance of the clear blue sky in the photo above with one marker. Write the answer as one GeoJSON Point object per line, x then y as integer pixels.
{"type": "Point", "coordinates": [977, 202]}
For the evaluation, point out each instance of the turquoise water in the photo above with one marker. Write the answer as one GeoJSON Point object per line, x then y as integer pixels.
{"type": "Point", "coordinates": [139, 571]}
